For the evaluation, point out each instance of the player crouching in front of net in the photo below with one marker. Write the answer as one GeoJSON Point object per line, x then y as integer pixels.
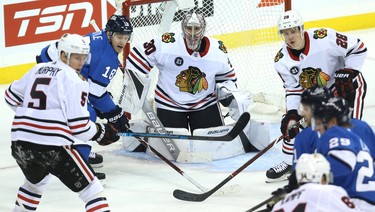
{"type": "Point", "coordinates": [195, 74]}
{"type": "Point", "coordinates": [319, 57]}
{"type": "Point", "coordinates": [314, 193]}
{"type": "Point", "coordinates": [50, 102]}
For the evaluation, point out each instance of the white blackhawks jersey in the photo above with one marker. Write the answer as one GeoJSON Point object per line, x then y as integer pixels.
{"type": "Point", "coordinates": [312, 197]}
{"type": "Point", "coordinates": [50, 102]}
{"type": "Point", "coordinates": [187, 79]}
{"type": "Point", "coordinates": [326, 51]}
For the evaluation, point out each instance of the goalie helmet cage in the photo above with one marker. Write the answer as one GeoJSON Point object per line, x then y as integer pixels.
{"type": "Point", "coordinates": [248, 29]}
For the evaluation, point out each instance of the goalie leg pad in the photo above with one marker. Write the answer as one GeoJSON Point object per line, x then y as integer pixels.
{"type": "Point", "coordinates": [218, 149]}
{"type": "Point", "coordinates": [134, 91]}
{"type": "Point", "coordinates": [132, 144]}
{"type": "Point", "coordinates": [258, 133]}
{"type": "Point", "coordinates": [157, 143]}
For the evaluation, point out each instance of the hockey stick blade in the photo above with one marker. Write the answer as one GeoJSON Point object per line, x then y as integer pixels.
{"type": "Point", "coordinates": [234, 132]}
{"type": "Point", "coordinates": [187, 196]}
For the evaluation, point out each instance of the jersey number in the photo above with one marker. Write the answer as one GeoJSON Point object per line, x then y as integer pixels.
{"type": "Point", "coordinates": [39, 95]}
{"type": "Point", "coordinates": [111, 73]}
{"type": "Point", "coordinates": [341, 40]}
{"type": "Point", "coordinates": [362, 184]}
{"type": "Point", "coordinates": [149, 47]}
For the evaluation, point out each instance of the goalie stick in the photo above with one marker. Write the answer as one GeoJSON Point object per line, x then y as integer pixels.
{"type": "Point", "coordinates": [234, 132]}
{"type": "Point", "coordinates": [187, 196]}
{"type": "Point", "coordinates": [228, 190]}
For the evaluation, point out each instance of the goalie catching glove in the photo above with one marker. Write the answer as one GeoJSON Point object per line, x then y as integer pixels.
{"type": "Point", "coordinates": [344, 82]}
{"type": "Point", "coordinates": [287, 124]}
{"type": "Point", "coordinates": [118, 119]}
{"type": "Point", "coordinates": [106, 134]}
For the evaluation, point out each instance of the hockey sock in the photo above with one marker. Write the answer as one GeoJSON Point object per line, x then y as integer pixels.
{"type": "Point", "coordinates": [287, 148]}
{"type": "Point", "coordinates": [97, 204]}
{"type": "Point", "coordinates": [27, 200]}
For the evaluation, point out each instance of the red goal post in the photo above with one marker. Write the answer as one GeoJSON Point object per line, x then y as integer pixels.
{"type": "Point", "coordinates": [247, 28]}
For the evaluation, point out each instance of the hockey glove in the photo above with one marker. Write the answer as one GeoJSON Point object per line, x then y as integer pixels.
{"type": "Point", "coordinates": [118, 118]}
{"type": "Point", "coordinates": [344, 82]}
{"type": "Point", "coordinates": [287, 124]}
{"type": "Point", "coordinates": [106, 134]}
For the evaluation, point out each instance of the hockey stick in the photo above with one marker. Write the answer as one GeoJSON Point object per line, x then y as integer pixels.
{"type": "Point", "coordinates": [261, 204]}
{"type": "Point", "coordinates": [187, 196]}
{"type": "Point", "coordinates": [234, 132]}
{"type": "Point", "coordinates": [273, 199]}
{"type": "Point", "coordinates": [228, 190]}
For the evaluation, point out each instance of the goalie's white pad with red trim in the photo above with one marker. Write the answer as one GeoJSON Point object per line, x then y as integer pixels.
{"type": "Point", "coordinates": [134, 91]}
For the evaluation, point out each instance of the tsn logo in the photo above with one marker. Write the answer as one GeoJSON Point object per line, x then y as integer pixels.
{"type": "Point", "coordinates": [37, 21]}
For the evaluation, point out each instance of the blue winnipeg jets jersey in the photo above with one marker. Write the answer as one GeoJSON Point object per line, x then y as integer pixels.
{"type": "Point", "coordinates": [351, 163]}
{"type": "Point", "coordinates": [101, 67]}
{"type": "Point", "coordinates": [305, 142]}
{"type": "Point", "coordinates": [364, 131]}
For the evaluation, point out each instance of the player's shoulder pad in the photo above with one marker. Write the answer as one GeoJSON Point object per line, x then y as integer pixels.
{"type": "Point", "coordinates": [222, 47]}
{"type": "Point", "coordinates": [279, 55]}
{"type": "Point", "coordinates": [320, 33]}
{"type": "Point", "coordinates": [168, 37]}
{"type": "Point", "coordinates": [217, 44]}
{"type": "Point", "coordinates": [82, 77]}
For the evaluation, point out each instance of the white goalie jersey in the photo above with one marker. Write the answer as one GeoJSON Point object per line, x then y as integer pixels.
{"type": "Point", "coordinates": [50, 102]}
{"type": "Point", "coordinates": [325, 52]}
{"type": "Point", "coordinates": [187, 79]}
{"type": "Point", "coordinates": [316, 197]}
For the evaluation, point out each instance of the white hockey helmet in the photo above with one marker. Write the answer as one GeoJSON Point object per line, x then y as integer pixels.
{"type": "Point", "coordinates": [73, 44]}
{"type": "Point", "coordinates": [313, 168]}
{"type": "Point", "coordinates": [290, 19]}
{"type": "Point", "coordinates": [193, 27]}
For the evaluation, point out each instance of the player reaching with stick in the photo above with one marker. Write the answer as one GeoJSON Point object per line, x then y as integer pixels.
{"type": "Point", "coordinates": [50, 102]}
{"type": "Point", "coordinates": [315, 57]}
{"type": "Point", "coordinates": [101, 67]}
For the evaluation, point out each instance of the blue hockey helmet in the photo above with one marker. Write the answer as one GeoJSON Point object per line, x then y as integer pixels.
{"type": "Point", "coordinates": [119, 24]}
{"type": "Point", "coordinates": [315, 96]}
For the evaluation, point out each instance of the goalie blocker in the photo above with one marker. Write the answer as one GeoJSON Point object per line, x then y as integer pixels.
{"type": "Point", "coordinates": [254, 137]}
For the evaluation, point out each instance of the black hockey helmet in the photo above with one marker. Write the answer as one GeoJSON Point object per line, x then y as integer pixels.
{"type": "Point", "coordinates": [315, 96]}
{"type": "Point", "coordinates": [333, 107]}
{"type": "Point", "coordinates": [119, 24]}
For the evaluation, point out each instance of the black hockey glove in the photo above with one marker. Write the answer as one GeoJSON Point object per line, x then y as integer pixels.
{"type": "Point", "coordinates": [281, 192]}
{"type": "Point", "coordinates": [106, 134]}
{"type": "Point", "coordinates": [118, 118]}
{"type": "Point", "coordinates": [290, 119]}
{"type": "Point", "coordinates": [344, 82]}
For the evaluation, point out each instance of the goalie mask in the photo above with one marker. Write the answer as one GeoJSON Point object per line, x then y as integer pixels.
{"type": "Point", "coordinates": [193, 27]}
{"type": "Point", "coordinates": [313, 168]}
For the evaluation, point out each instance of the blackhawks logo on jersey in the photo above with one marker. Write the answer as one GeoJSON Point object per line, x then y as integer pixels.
{"type": "Point", "coordinates": [168, 38]}
{"type": "Point", "coordinates": [222, 47]}
{"type": "Point", "coordinates": [80, 76]}
{"type": "Point", "coordinates": [191, 80]}
{"type": "Point", "coordinates": [311, 77]}
{"type": "Point", "coordinates": [320, 33]}
{"type": "Point", "coordinates": [278, 56]}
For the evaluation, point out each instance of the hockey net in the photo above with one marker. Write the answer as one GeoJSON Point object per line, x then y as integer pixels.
{"type": "Point", "coordinates": [247, 28]}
